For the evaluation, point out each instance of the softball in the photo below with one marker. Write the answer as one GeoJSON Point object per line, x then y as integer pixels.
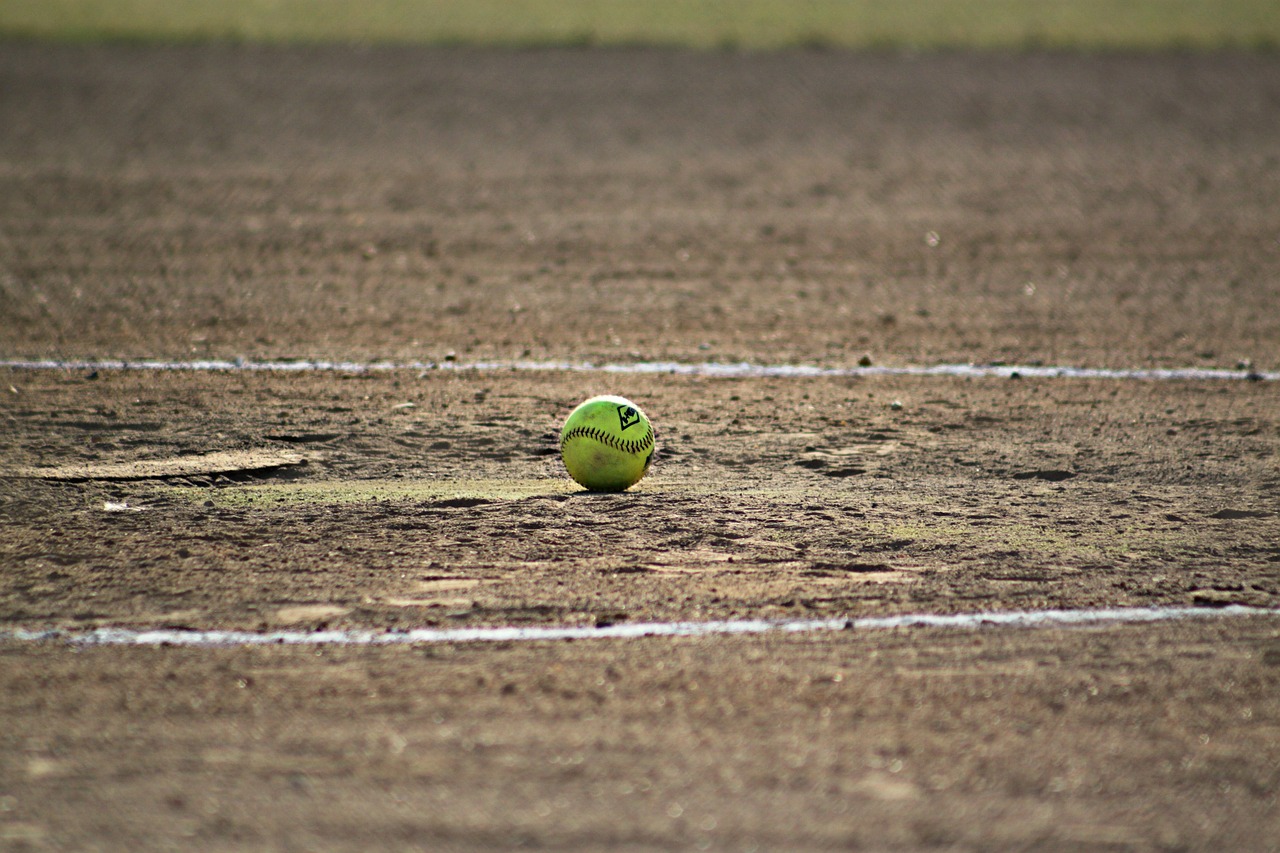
{"type": "Point", "coordinates": [607, 444]}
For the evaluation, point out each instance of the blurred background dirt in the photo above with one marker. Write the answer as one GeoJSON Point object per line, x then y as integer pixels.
{"type": "Point", "coordinates": [621, 204]}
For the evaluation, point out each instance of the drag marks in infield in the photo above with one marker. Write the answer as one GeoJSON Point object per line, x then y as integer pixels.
{"type": "Point", "coordinates": [638, 630]}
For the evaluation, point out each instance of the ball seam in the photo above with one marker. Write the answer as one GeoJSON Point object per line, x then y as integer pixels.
{"type": "Point", "coordinates": [636, 446]}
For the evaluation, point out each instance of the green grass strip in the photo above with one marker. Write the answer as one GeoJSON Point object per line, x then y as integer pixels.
{"type": "Point", "coordinates": [742, 24]}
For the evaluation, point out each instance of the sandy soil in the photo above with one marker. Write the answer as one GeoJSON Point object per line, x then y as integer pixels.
{"type": "Point", "coordinates": [627, 205]}
{"type": "Point", "coordinates": [807, 207]}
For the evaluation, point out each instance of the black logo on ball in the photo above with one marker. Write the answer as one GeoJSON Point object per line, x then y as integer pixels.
{"type": "Point", "coordinates": [627, 417]}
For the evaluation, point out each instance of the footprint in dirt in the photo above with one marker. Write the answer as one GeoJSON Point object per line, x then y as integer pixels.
{"type": "Point", "coordinates": [461, 502]}
{"type": "Point", "coordinates": [823, 467]}
{"type": "Point", "coordinates": [1238, 514]}
{"type": "Point", "coordinates": [843, 472]}
{"type": "Point", "coordinates": [1049, 475]}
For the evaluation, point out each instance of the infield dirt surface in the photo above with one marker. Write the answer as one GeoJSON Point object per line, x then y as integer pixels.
{"type": "Point", "coordinates": [449, 207]}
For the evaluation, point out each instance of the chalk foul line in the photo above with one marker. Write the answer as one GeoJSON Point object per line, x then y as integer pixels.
{"type": "Point", "coordinates": [736, 370]}
{"type": "Point", "coordinates": [512, 634]}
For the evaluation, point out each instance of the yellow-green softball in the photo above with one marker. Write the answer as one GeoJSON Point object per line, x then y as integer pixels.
{"type": "Point", "coordinates": [607, 444]}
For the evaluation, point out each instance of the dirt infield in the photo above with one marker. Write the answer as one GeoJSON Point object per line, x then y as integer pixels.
{"type": "Point", "coordinates": [795, 207]}
{"type": "Point", "coordinates": [449, 206]}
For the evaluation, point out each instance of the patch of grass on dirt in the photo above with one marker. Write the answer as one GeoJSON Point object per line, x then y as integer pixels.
{"type": "Point", "coordinates": [1047, 542]}
{"type": "Point", "coordinates": [268, 495]}
{"type": "Point", "coordinates": [754, 24]}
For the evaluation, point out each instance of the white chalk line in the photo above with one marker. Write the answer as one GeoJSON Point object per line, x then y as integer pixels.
{"type": "Point", "coordinates": [623, 631]}
{"type": "Point", "coordinates": [735, 370]}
